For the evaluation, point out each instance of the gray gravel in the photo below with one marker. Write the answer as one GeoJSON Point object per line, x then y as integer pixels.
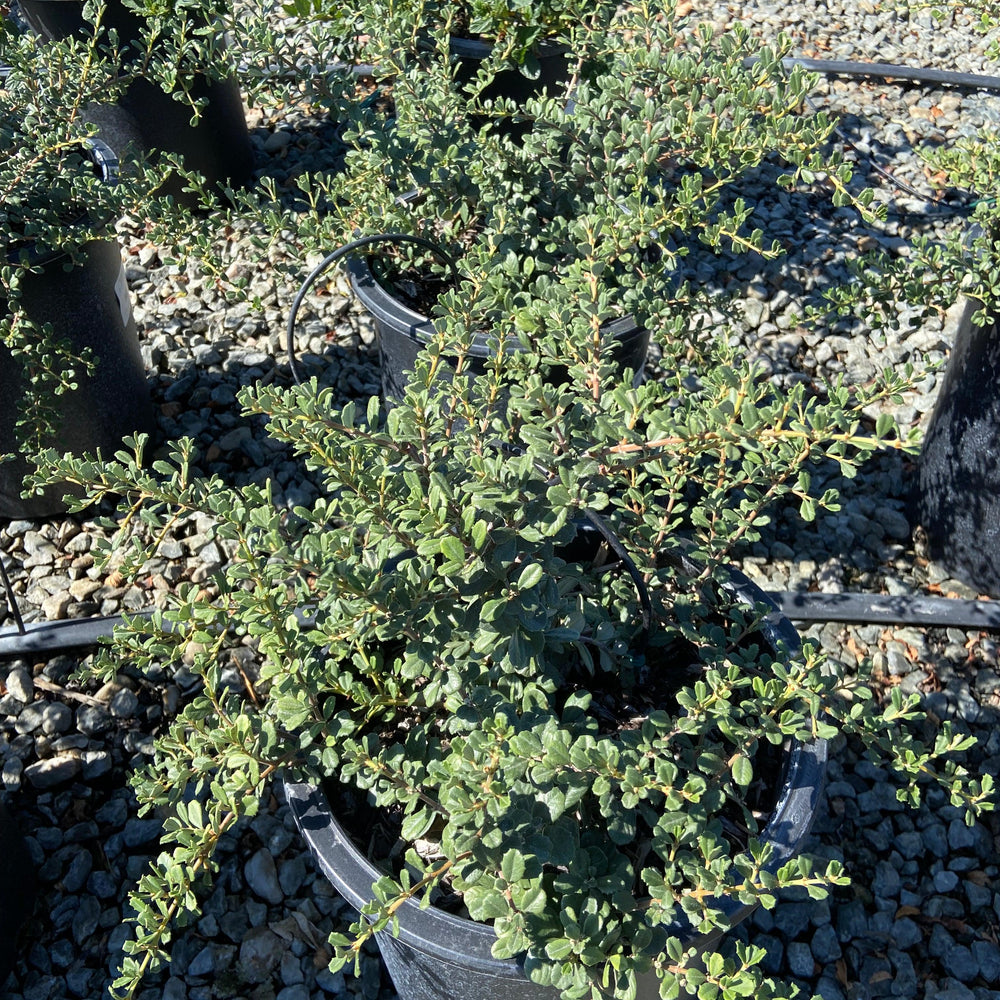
{"type": "Point", "coordinates": [922, 917]}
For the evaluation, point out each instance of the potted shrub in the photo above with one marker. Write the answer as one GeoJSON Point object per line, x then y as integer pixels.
{"type": "Point", "coordinates": [178, 92]}
{"type": "Point", "coordinates": [523, 46]}
{"type": "Point", "coordinates": [956, 498]}
{"type": "Point", "coordinates": [576, 734]}
{"type": "Point", "coordinates": [596, 208]}
{"type": "Point", "coordinates": [955, 493]}
{"type": "Point", "coordinates": [70, 368]}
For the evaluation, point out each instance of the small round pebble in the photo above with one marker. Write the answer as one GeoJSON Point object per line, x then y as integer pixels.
{"type": "Point", "coordinates": [124, 704]}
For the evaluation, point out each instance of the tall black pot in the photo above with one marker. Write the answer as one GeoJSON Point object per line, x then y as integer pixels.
{"type": "Point", "coordinates": [438, 956]}
{"type": "Point", "coordinates": [88, 305]}
{"type": "Point", "coordinates": [18, 884]}
{"type": "Point", "coordinates": [958, 487]}
{"type": "Point", "coordinates": [218, 146]}
{"type": "Point", "coordinates": [402, 333]}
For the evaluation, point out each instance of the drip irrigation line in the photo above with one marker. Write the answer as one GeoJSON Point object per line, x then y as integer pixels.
{"type": "Point", "coordinates": [887, 71]}
{"type": "Point", "coordinates": [858, 609]}
{"type": "Point", "coordinates": [888, 175]}
{"type": "Point", "coordinates": [44, 637]}
{"type": "Point", "coordinates": [337, 255]}
{"type": "Point", "coordinates": [875, 609]}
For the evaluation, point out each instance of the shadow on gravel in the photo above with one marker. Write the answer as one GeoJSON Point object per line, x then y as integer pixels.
{"type": "Point", "coordinates": [843, 549]}
{"type": "Point", "coordinates": [805, 222]}
{"type": "Point", "coordinates": [201, 403]}
{"type": "Point", "coordinates": [314, 146]}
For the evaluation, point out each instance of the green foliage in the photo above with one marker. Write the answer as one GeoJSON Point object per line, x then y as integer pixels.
{"type": "Point", "coordinates": [586, 764]}
{"type": "Point", "coordinates": [517, 27]}
{"type": "Point", "coordinates": [456, 663]}
{"type": "Point", "coordinates": [564, 208]}
{"type": "Point", "coordinates": [178, 41]}
{"type": "Point", "coordinates": [935, 272]}
{"type": "Point", "coordinates": [53, 198]}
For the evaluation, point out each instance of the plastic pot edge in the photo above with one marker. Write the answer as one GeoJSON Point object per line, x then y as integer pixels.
{"type": "Point", "coordinates": [352, 873]}
{"type": "Point", "coordinates": [387, 309]}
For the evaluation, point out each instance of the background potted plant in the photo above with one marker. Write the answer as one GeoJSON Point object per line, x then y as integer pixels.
{"type": "Point", "coordinates": [956, 494]}
{"type": "Point", "coordinates": [524, 47]}
{"type": "Point", "coordinates": [599, 204]}
{"type": "Point", "coordinates": [178, 91]}
{"type": "Point", "coordinates": [572, 744]}
{"type": "Point", "coordinates": [955, 497]}
{"type": "Point", "coordinates": [70, 366]}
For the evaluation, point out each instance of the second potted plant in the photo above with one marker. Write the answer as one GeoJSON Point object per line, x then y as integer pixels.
{"type": "Point", "coordinates": [178, 95]}
{"type": "Point", "coordinates": [71, 372]}
{"type": "Point", "coordinates": [593, 214]}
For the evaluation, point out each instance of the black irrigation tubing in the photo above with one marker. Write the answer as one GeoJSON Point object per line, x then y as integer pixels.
{"type": "Point", "coordinates": [858, 609]}
{"type": "Point", "coordinates": [337, 255]}
{"type": "Point", "coordinates": [874, 609]}
{"type": "Point", "coordinates": [42, 637]}
{"type": "Point", "coordinates": [887, 174]}
{"type": "Point", "coordinates": [917, 74]}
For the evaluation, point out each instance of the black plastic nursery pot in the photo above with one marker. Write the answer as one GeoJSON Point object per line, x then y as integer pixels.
{"type": "Point", "coordinates": [958, 487]}
{"type": "Point", "coordinates": [553, 77]}
{"type": "Point", "coordinates": [553, 69]}
{"type": "Point", "coordinates": [88, 306]}
{"type": "Point", "coordinates": [439, 956]}
{"type": "Point", "coordinates": [17, 888]}
{"type": "Point", "coordinates": [403, 333]}
{"type": "Point", "coordinates": [218, 146]}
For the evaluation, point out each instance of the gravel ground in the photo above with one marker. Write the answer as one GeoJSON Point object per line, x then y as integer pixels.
{"type": "Point", "coordinates": [922, 918]}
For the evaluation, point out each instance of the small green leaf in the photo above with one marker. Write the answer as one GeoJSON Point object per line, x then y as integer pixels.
{"type": "Point", "coordinates": [452, 549]}
{"type": "Point", "coordinates": [485, 904]}
{"type": "Point", "coordinates": [532, 900]}
{"type": "Point", "coordinates": [530, 575]}
{"type": "Point", "coordinates": [742, 771]}
{"type": "Point", "coordinates": [884, 425]}
{"type": "Point", "coordinates": [416, 824]}
{"type": "Point", "coordinates": [292, 711]}
{"type": "Point", "coordinates": [559, 949]}
{"type": "Point", "coordinates": [480, 532]}
{"type": "Point", "coordinates": [512, 866]}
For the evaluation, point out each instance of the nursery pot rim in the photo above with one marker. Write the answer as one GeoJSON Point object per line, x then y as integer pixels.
{"type": "Point", "coordinates": [386, 308]}
{"type": "Point", "coordinates": [480, 47]}
{"type": "Point", "coordinates": [443, 935]}
{"type": "Point", "coordinates": [425, 929]}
